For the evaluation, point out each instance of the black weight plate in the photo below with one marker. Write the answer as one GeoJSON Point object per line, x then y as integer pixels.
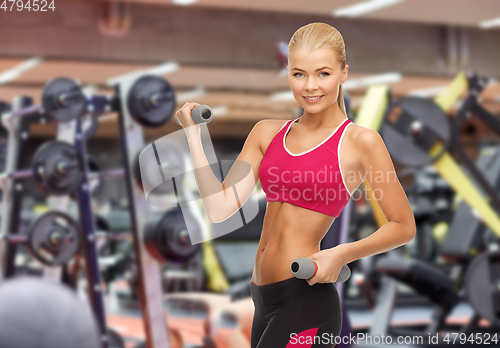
{"type": "Point", "coordinates": [63, 111]}
{"type": "Point", "coordinates": [482, 285]}
{"type": "Point", "coordinates": [151, 237]}
{"type": "Point", "coordinates": [39, 238]}
{"type": "Point", "coordinates": [140, 103]}
{"type": "Point", "coordinates": [174, 237]}
{"type": "Point", "coordinates": [45, 172]}
{"type": "Point", "coordinates": [166, 236]}
{"type": "Point", "coordinates": [403, 147]}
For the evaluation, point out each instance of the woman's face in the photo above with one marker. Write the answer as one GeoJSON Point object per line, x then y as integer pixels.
{"type": "Point", "coordinates": [316, 73]}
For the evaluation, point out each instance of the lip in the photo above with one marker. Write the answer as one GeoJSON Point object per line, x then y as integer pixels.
{"type": "Point", "coordinates": [314, 101]}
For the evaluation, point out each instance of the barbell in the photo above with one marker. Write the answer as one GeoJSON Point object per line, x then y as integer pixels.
{"type": "Point", "coordinates": [52, 238]}
{"type": "Point", "coordinates": [62, 99]}
{"type": "Point", "coordinates": [151, 102]}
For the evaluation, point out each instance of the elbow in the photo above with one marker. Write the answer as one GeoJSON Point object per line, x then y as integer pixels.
{"type": "Point", "coordinates": [215, 218]}
{"type": "Point", "coordinates": [218, 218]}
{"type": "Point", "coordinates": [215, 215]}
{"type": "Point", "coordinates": [223, 210]}
{"type": "Point", "coordinates": [220, 215]}
{"type": "Point", "coordinates": [411, 231]}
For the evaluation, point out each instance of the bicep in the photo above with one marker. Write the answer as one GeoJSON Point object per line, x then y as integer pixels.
{"type": "Point", "coordinates": [380, 173]}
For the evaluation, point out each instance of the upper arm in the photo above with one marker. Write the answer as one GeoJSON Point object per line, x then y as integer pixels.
{"type": "Point", "coordinates": [242, 178]}
{"type": "Point", "coordinates": [250, 157]}
{"type": "Point", "coordinates": [380, 173]}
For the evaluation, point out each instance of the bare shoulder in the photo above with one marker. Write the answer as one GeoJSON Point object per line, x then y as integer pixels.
{"type": "Point", "coordinates": [363, 137]}
{"type": "Point", "coordinates": [367, 141]}
{"type": "Point", "coordinates": [271, 126]}
{"type": "Point", "coordinates": [266, 130]}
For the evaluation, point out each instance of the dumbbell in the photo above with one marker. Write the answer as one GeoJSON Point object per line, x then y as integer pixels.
{"type": "Point", "coordinates": [305, 268]}
{"type": "Point", "coordinates": [62, 99]}
{"type": "Point", "coordinates": [200, 114]}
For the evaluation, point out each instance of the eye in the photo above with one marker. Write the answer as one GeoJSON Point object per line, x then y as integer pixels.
{"type": "Point", "coordinates": [327, 74]}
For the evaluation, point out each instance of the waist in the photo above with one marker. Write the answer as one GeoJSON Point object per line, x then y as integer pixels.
{"type": "Point", "coordinates": [290, 288]}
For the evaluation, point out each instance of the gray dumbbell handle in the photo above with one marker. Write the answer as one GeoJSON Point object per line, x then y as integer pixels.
{"type": "Point", "coordinates": [304, 268]}
{"type": "Point", "coordinates": [200, 114]}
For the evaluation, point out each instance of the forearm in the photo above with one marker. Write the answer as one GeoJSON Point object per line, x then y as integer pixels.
{"type": "Point", "coordinates": [390, 236]}
{"type": "Point", "coordinates": [211, 189]}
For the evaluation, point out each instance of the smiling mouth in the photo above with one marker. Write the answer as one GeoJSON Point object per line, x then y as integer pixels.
{"type": "Point", "coordinates": [314, 98]}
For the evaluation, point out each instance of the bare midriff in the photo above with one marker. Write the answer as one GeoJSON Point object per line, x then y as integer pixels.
{"type": "Point", "coordinates": [288, 232]}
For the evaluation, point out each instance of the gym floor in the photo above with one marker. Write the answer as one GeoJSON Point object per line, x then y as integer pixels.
{"type": "Point", "coordinates": [128, 322]}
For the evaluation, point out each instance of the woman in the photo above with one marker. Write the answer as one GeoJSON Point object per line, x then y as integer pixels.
{"type": "Point", "coordinates": [308, 168]}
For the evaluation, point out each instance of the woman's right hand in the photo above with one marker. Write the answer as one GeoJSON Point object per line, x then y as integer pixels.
{"type": "Point", "coordinates": [183, 115]}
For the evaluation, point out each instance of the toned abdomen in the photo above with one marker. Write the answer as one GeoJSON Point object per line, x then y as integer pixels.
{"type": "Point", "coordinates": [288, 232]}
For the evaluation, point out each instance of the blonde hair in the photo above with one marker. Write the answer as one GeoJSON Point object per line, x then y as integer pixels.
{"type": "Point", "coordinates": [317, 35]}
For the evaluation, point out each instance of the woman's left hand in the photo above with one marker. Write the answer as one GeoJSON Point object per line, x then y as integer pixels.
{"type": "Point", "coordinates": [330, 263]}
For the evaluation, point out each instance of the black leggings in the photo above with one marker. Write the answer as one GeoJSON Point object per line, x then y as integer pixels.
{"type": "Point", "coordinates": [292, 306]}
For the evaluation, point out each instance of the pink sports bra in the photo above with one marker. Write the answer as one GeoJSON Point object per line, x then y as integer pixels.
{"type": "Point", "coordinates": [311, 179]}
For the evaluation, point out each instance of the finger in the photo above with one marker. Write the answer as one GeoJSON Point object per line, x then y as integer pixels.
{"type": "Point", "coordinates": [194, 105]}
{"type": "Point", "coordinates": [311, 281]}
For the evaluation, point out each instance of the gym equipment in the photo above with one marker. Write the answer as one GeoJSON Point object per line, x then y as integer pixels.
{"type": "Point", "coordinates": [446, 166]}
{"type": "Point", "coordinates": [90, 123]}
{"type": "Point", "coordinates": [305, 268]}
{"type": "Point", "coordinates": [62, 99]}
{"type": "Point", "coordinates": [38, 313]}
{"type": "Point", "coordinates": [54, 238]}
{"type": "Point", "coordinates": [97, 174]}
{"type": "Point", "coordinates": [166, 236]}
{"type": "Point", "coordinates": [464, 238]}
{"type": "Point", "coordinates": [482, 286]}
{"type": "Point", "coordinates": [12, 190]}
{"type": "Point", "coordinates": [151, 101]}
{"type": "Point", "coordinates": [4, 107]}
{"type": "Point", "coordinates": [57, 168]}
{"type": "Point", "coordinates": [412, 127]}
{"type": "Point", "coordinates": [200, 114]}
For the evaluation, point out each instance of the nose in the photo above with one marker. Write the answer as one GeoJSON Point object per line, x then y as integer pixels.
{"type": "Point", "coordinates": [311, 84]}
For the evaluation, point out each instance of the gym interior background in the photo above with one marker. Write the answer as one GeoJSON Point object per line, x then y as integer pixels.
{"type": "Point", "coordinates": [231, 55]}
